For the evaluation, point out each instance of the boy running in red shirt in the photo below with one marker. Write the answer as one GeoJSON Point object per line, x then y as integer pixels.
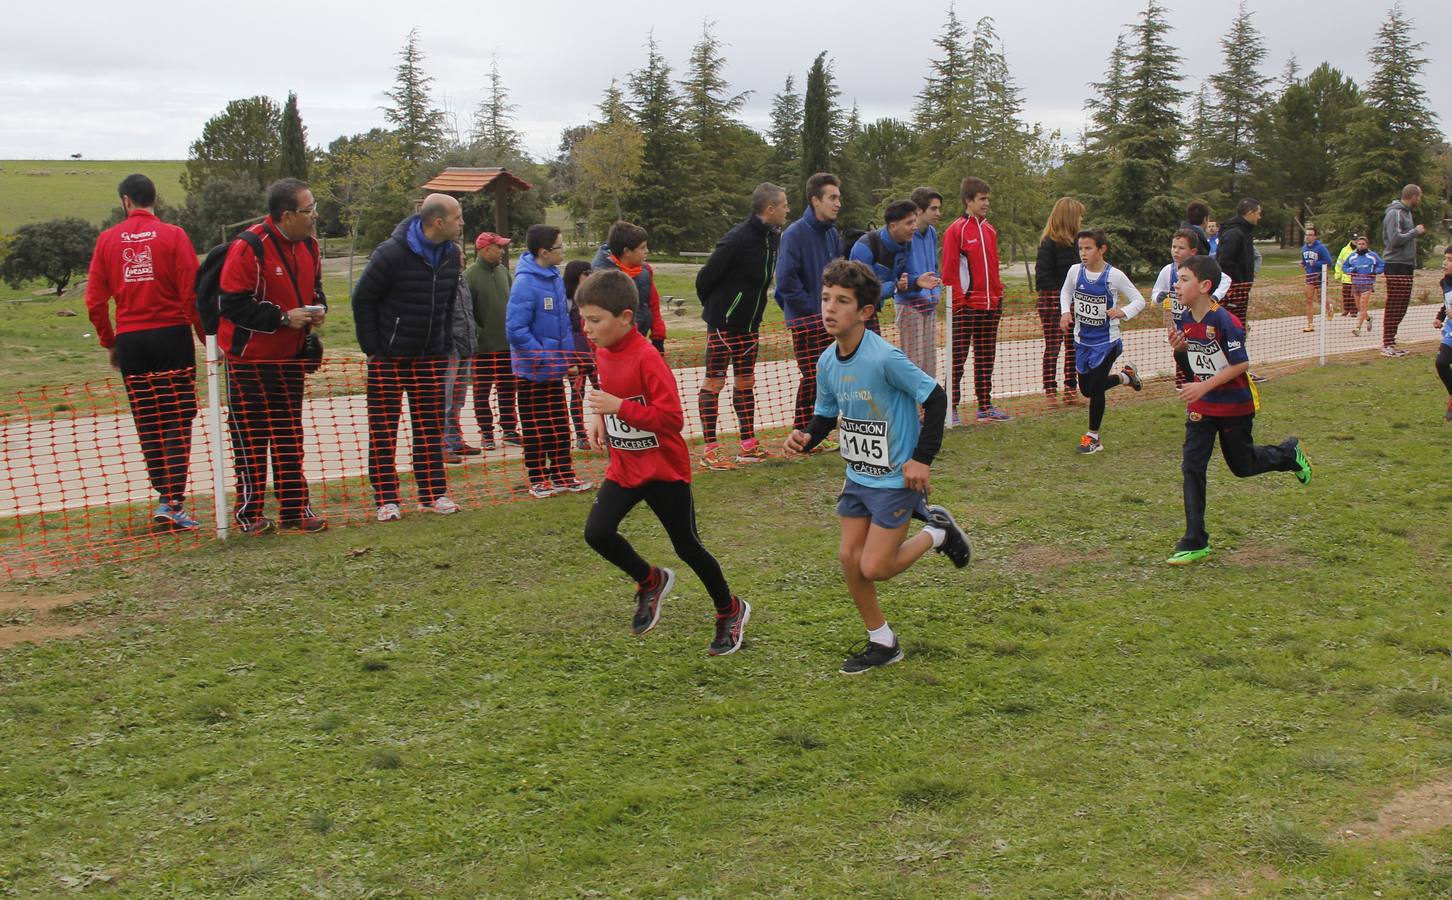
{"type": "Point", "coordinates": [637, 415]}
{"type": "Point", "coordinates": [1209, 345]}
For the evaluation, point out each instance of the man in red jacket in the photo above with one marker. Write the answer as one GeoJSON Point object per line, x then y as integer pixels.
{"type": "Point", "coordinates": [636, 414]}
{"type": "Point", "coordinates": [266, 312]}
{"type": "Point", "coordinates": [970, 267]}
{"type": "Point", "coordinates": [150, 268]}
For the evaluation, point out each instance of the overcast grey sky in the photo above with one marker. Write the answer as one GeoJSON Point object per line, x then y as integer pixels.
{"type": "Point", "coordinates": [137, 80]}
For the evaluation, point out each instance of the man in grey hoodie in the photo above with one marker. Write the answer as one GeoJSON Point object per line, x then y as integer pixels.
{"type": "Point", "coordinates": [1399, 252]}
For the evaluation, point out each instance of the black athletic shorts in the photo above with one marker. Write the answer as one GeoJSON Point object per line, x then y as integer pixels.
{"type": "Point", "coordinates": [731, 348]}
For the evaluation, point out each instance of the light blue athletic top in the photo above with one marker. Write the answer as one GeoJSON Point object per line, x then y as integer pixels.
{"type": "Point", "coordinates": [876, 391]}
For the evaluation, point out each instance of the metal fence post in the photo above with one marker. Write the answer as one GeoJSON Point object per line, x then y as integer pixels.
{"type": "Point", "coordinates": [214, 426]}
{"type": "Point", "coordinates": [1325, 319]}
{"type": "Point", "coordinates": [948, 345]}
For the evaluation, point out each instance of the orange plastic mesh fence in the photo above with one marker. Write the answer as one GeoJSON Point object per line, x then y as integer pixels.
{"type": "Point", "coordinates": [87, 468]}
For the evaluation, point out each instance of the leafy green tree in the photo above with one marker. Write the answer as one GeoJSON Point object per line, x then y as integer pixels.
{"type": "Point", "coordinates": [1391, 141]}
{"type": "Point", "coordinates": [821, 120]}
{"type": "Point", "coordinates": [1237, 108]}
{"type": "Point", "coordinates": [1304, 132]}
{"type": "Point", "coordinates": [419, 124]}
{"type": "Point", "coordinates": [294, 160]}
{"type": "Point", "coordinates": [241, 142]}
{"type": "Point", "coordinates": [494, 131]}
{"type": "Point", "coordinates": [609, 160]}
{"type": "Point", "coordinates": [220, 202]}
{"type": "Point", "coordinates": [362, 185]}
{"type": "Point", "coordinates": [54, 251]}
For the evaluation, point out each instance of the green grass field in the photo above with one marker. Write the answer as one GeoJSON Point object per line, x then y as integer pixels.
{"type": "Point", "coordinates": [33, 190]}
{"type": "Point", "coordinates": [455, 707]}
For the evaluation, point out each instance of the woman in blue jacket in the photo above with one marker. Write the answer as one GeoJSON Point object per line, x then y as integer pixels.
{"type": "Point", "coordinates": [541, 347]}
{"type": "Point", "coordinates": [1363, 266]}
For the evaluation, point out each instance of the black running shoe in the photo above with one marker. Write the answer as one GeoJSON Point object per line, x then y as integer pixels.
{"type": "Point", "coordinates": [730, 630]}
{"type": "Point", "coordinates": [872, 656]}
{"type": "Point", "coordinates": [955, 545]}
{"type": "Point", "coordinates": [647, 600]}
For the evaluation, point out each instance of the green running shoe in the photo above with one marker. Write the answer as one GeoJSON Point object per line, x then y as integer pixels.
{"type": "Point", "coordinates": [1185, 557]}
{"type": "Point", "coordinates": [1303, 472]}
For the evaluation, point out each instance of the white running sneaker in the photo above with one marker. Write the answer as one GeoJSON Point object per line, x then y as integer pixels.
{"type": "Point", "coordinates": [443, 506]}
{"type": "Point", "coordinates": [389, 512]}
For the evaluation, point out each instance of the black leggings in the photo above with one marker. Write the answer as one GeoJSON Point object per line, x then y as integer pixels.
{"type": "Point", "coordinates": [673, 505]}
{"type": "Point", "coordinates": [1444, 366]}
{"type": "Point", "coordinates": [160, 369]}
{"type": "Point", "coordinates": [1095, 382]}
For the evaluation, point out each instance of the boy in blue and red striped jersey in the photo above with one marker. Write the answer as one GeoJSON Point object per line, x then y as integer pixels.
{"type": "Point", "coordinates": [1209, 345]}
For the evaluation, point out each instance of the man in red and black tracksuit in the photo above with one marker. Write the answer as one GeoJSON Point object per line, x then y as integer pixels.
{"type": "Point", "coordinates": [265, 316]}
{"type": "Point", "coordinates": [150, 268]}
{"type": "Point", "coordinates": [970, 267]}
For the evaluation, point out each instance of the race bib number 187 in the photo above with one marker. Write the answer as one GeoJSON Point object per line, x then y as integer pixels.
{"type": "Point", "coordinates": [623, 437]}
{"type": "Point", "coordinates": [863, 444]}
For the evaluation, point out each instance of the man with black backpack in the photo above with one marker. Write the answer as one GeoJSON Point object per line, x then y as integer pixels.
{"type": "Point", "coordinates": [888, 252]}
{"type": "Point", "coordinates": [269, 296]}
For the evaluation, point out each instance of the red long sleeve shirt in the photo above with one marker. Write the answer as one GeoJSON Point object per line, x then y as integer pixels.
{"type": "Point", "coordinates": [970, 264]}
{"type": "Point", "coordinates": [645, 436]}
{"type": "Point", "coordinates": [657, 323]}
{"type": "Point", "coordinates": [151, 270]}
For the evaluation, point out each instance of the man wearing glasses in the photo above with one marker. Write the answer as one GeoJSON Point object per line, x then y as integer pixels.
{"type": "Point", "coordinates": [403, 306]}
{"type": "Point", "coordinates": [267, 306]}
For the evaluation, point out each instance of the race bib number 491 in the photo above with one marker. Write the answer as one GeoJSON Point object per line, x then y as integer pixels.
{"type": "Point", "coordinates": [623, 437]}
{"type": "Point", "coordinates": [1206, 359]}
{"type": "Point", "coordinates": [863, 444]}
{"type": "Point", "coordinates": [1091, 309]}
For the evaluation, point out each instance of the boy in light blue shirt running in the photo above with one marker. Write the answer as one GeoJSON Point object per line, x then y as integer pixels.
{"type": "Point", "coordinates": [871, 392]}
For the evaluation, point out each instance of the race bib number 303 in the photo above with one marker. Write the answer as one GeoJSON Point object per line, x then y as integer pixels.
{"type": "Point", "coordinates": [623, 437]}
{"type": "Point", "coordinates": [863, 444]}
{"type": "Point", "coordinates": [1091, 309]}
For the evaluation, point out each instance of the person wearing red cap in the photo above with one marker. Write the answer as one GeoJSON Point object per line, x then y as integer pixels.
{"type": "Point", "coordinates": [150, 268]}
{"type": "Point", "coordinates": [489, 284]}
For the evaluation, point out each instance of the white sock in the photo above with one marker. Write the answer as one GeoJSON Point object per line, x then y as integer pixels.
{"type": "Point", "coordinates": [882, 635]}
{"type": "Point", "coordinates": [1093, 434]}
{"type": "Point", "coordinates": [1123, 378]}
{"type": "Point", "coordinates": [937, 534]}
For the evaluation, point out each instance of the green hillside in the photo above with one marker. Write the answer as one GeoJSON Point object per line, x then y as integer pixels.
{"type": "Point", "coordinates": [33, 190]}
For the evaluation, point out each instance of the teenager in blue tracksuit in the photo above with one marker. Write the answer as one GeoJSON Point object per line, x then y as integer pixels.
{"type": "Point", "coordinates": [1363, 266]}
{"type": "Point", "coordinates": [807, 245]}
{"type": "Point", "coordinates": [541, 346]}
{"type": "Point", "coordinates": [1314, 257]}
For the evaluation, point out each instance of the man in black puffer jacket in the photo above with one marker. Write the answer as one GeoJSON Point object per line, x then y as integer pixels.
{"type": "Point", "coordinates": [733, 287]}
{"type": "Point", "coordinates": [403, 305]}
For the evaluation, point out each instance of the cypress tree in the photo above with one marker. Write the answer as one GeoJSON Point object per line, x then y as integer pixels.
{"type": "Point", "coordinates": [655, 199]}
{"type": "Point", "coordinates": [493, 131]}
{"type": "Point", "coordinates": [294, 160]}
{"type": "Point", "coordinates": [1238, 106]}
{"type": "Point", "coordinates": [785, 135]}
{"type": "Point", "coordinates": [819, 120]}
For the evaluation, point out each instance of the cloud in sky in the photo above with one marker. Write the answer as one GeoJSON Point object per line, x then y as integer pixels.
{"type": "Point", "coordinates": [138, 80]}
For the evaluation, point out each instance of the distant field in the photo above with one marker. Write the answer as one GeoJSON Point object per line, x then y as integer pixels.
{"type": "Point", "coordinates": [33, 190]}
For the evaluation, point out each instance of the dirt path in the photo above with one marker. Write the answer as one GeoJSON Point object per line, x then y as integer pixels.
{"type": "Point", "coordinates": [27, 618]}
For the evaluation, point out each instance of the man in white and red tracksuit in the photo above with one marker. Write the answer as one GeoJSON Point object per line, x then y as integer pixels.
{"type": "Point", "coordinates": [970, 268]}
{"type": "Point", "coordinates": [265, 317]}
{"type": "Point", "coordinates": [150, 268]}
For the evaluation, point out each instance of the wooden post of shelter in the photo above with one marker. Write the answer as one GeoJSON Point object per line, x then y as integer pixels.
{"type": "Point", "coordinates": [459, 180]}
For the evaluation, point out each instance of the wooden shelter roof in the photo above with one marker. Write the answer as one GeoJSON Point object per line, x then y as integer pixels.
{"type": "Point", "coordinates": [469, 180]}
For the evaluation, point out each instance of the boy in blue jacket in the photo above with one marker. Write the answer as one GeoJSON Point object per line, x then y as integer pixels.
{"type": "Point", "coordinates": [1363, 266]}
{"type": "Point", "coordinates": [1314, 257]}
{"type": "Point", "coordinates": [541, 348]}
{"type": "Point", "coordinates": [807, 245]}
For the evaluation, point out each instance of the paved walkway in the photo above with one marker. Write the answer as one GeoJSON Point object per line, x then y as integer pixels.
{"type": "Point", "coordinates": [88, 461]}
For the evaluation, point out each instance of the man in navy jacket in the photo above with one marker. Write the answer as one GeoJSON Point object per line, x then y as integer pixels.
{"type": "Point", "coordinates": [807, 245]}
{"type": "Point", "coordinates": [403, 305]}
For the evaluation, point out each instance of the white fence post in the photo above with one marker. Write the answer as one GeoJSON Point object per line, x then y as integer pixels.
{"type": "Point", "coordinates": [948, 345]}
{"type": "Point", "coordinates": [1325, 318]}
{"type": "Point", "coordinates": [214, 426]}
